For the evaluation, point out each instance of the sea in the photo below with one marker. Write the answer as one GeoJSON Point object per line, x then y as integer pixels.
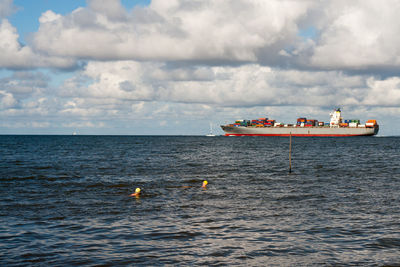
{"type": "Point", "coordinates": [65, 201]}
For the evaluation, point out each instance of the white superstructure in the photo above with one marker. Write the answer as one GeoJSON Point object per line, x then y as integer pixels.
{"type": "Point", "coordinates": [335, 118]}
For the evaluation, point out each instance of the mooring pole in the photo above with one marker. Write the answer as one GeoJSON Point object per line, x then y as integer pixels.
{"type": "Point", "coordinates": [290, 153]}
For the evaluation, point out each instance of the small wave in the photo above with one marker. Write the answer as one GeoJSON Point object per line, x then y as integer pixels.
{"type": "Point", "coordinates": [178, 235]}
{"type": "Point", "coordinates": [385, 243]}
{"type": "Point", "coordinates": [42, 167]}
{"type": "Point", "coordinates": [119, 186]}
{"type": "Point", "coordinates": [15, 178]}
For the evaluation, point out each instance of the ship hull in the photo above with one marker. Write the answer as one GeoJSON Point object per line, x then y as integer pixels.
{"type": "Point", "coordinates": [298, 131]}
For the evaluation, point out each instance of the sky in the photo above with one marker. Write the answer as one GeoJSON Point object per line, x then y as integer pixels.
{"type": "Point", "coordinates": [175, 67]}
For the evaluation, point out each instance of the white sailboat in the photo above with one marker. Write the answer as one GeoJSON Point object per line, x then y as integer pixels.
{"type": "Point", "coordinates": [211, 132]}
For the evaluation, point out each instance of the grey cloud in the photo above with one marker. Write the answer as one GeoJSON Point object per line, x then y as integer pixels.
{"type": "Point", "coordinates": [112, 9]}
{"type": "Point", "coordinates": [127, 86]}
{"type": "Point", "coordinates": [7, 8]}
{"type": "Point", "coordinates": [24, 83]}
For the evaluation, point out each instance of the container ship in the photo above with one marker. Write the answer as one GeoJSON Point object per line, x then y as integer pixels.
{"type": "Point", "coordinates": [303, 127]}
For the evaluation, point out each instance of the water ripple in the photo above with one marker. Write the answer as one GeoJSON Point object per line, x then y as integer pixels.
{"type": "Point", "coordinates": [65, 201]}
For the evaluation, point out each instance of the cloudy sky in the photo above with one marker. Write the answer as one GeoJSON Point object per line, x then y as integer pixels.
{"type": "Point", "coordinates": [174, 67]}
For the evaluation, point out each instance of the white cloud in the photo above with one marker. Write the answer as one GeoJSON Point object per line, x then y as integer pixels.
{"type": "Point", "coordinates": [349, 35]}
{"type": "Point", "coordinates": [112, 92]}
{"type": "Point", "coordinates": [172, 30]}
{"type": "Point", "coordinates": [7, 100]}
{"type": "Point", "coordinates": [13, 54]}
{"type": "Point", "coordinates": [49, 16]}
{"type": "Point", "coordinates": [358, 34]}
{"type": "Point", "coordinates": [115, 83]}
{"type": "Point", "coordinates": [16, 56]}
{"type": "Point", "coordinates": [383, 92]}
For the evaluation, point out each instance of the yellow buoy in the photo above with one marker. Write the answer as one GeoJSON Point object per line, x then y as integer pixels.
{"type": "Point", "coordinates": [204, 184]}
{"type": "Point", "coordinates": [136, 194]}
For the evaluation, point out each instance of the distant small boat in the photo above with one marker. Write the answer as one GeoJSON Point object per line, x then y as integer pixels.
{"type": "Point", "coordinates": [74, 133]}
{"type": "Point", "coordinates": [211, 131]}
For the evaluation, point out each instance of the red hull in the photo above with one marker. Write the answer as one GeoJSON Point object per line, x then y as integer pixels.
{"type": "Point", "coordinates": [304, 135]}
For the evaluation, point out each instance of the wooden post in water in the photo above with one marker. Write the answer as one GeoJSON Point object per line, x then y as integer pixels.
{"type": "Point", "coordinates": [290, 153]}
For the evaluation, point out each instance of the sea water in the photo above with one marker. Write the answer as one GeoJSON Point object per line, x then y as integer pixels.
{"type": "Point", "coordinates": [64, 200]}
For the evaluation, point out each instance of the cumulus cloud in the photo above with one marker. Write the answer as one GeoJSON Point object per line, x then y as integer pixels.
{"type": "Point", "coordinates": [172, 30]}
{"type": "Point", "coordinates": [358, 35]}
{"type": "Point", "coordinates": [348, 35]}
{"type": "Point", "coordinates": [112, 83]}
{"type": "Point", "coordinates": [14, 55]}
{"type": "Point", "coordinates": [104, 94]}
{"type": "Point", "coordinates": [383, 92]}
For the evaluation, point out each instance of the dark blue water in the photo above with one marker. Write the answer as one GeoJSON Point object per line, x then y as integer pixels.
{"type": "Point", "coordinates": [64, 200]}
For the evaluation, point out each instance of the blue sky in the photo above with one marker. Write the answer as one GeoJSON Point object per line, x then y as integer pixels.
{"type": "Point", "coordinates": [174, 67]}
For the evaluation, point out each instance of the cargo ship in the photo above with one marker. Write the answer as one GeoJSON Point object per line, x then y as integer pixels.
{"type": "Point", "coordinates": [303, 127]}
